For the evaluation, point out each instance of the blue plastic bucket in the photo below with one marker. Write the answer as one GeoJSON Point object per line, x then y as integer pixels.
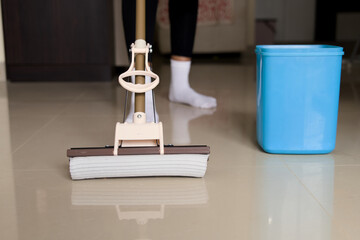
{"type": "Point", "coordinates": [297, 97]}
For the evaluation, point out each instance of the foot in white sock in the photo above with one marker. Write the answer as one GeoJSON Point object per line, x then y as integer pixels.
{"type": "Point", "coordinates": [149, 107]}
{"type": "Point", "coordinates": [180, 90]}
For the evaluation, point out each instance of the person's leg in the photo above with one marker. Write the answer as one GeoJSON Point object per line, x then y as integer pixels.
{"type": "Point", "coordinates": [128, 12]}
{"type": "Point", "coordinates": [183, 17]}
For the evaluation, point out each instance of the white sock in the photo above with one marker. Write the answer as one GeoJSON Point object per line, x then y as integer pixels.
{"type": "Point", "coordinates": [180, 90]}
{"type": "Point", "coordinates": [149, 107]}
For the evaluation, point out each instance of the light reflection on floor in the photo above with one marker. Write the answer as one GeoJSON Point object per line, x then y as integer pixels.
{"type": "Point", "coordinates": [246, 193]}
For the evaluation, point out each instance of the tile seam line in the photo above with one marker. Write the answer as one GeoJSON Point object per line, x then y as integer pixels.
{"type": "Point", "coordinates": [339, 228]}
{"type": "Point", "coordinates": [48, 122]}
{"type": "Point", "coordinates": [308, 190]}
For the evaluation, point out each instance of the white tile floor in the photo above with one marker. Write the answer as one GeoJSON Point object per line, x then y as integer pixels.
{"type": "Point", "coordinates": [246, 193]}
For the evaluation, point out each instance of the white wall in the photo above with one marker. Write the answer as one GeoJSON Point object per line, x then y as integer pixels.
{"type": "Point", "coordinates": [295, 18]}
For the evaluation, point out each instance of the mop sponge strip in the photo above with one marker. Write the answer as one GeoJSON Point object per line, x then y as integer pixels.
{"type": "Point", "coordinates": [189, 165]}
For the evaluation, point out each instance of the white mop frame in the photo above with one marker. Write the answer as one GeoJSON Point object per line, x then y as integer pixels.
{"type": "Point", "coordinates": [139, 133]}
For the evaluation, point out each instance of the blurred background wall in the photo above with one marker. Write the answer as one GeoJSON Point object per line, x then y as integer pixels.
{"type": "Point", "coordinates": [71, 40]}
{"type": "Point", "coordinates": [121, 50]}
{"type": "Point", "coordinates": [294, 19]}
{"type": "Point", "coordinates": [2, 50]}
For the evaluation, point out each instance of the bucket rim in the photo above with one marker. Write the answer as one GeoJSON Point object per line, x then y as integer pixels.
{"type": "Point", "coordinates": [299, 49]}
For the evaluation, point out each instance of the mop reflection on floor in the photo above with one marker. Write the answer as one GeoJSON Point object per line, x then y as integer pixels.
{"type": "Point", "coordinates": [140, 199]}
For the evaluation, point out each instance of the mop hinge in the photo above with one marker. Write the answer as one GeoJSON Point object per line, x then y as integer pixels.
{"type": "Point", "coordinates": [139, 134]}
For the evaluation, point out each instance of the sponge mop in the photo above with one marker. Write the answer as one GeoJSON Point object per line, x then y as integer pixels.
{"type": "Point", "coordinates": [138, 149]}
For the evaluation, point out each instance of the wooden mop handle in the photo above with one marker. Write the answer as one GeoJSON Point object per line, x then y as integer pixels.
{"type": "Point", "coordinates": [140, 58]}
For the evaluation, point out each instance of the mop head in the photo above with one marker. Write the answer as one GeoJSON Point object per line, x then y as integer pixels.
{"type": "Point", "coordinates": [186, 161]}
{"type": "Point", "coordinates": [130, 161]}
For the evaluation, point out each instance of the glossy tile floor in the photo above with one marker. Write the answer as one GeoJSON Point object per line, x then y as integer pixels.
{"type": "Point", "coordinates": [246, 193]}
